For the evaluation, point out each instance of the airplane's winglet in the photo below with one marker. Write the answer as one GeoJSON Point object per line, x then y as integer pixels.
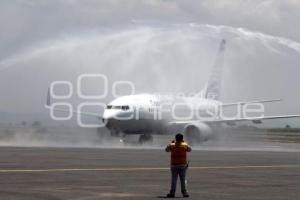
{"type": "Point", "coordinates": [48, 101]}
{"type": "Point", "coordinates": [222, 46]}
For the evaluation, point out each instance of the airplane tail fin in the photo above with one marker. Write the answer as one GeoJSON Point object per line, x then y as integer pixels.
{"type": "Point", "coordinates": [213, 86]}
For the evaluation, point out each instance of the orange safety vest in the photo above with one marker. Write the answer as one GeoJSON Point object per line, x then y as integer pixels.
{"type": "Point", "coordinates": [178, 152]}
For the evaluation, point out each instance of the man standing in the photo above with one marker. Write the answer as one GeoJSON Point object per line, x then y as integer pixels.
{"type": "Point", "coordinates": [178, 149]}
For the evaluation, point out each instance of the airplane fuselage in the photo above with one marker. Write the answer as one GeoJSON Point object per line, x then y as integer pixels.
{"type": "Point", "coordinates": [146, 113]}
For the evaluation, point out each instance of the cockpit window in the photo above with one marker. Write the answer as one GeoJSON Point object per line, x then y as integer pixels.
{"type": "Point", "coordinates": [125, 107]}
{"type": "Point", "coordinates": [118, 107]}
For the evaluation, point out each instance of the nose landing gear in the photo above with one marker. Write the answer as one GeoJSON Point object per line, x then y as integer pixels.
{"type": "Point", "coordinates": [146, 139]}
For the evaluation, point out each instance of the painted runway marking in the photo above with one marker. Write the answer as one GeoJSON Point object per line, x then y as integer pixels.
{"type": "Point", "coordinates": [146, 168]}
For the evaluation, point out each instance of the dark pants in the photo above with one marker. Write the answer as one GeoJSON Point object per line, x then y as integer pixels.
{"type": "Point", "coordinates": [175, 171]}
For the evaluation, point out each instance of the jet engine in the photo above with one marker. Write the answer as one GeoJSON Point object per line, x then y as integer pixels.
{"type": "Point", "coordinates": [197, 132]}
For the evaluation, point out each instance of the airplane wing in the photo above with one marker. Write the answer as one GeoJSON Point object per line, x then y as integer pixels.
{"type": "Point", "coordinates": [232, 121]}
{"type": "Point", "coordinates": [256, 120]}
{"type": "Point", "coordinates": [250, 102]}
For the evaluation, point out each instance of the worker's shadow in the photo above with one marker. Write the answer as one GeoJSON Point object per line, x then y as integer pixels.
{"type": "Point", "coordinates": [165, 197]}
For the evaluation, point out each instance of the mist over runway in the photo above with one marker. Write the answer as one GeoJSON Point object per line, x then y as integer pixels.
{"type": "Point", "coordinates": [225, 139]}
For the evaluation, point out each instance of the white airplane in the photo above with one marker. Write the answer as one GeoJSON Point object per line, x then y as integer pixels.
{"type": "Point", "coordinates": [195, 117]}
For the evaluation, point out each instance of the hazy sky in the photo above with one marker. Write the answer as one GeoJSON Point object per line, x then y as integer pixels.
{"type": "Point", "coordinates": [165, 46]}
{"type": "Point", "coordinates": [24, 22]}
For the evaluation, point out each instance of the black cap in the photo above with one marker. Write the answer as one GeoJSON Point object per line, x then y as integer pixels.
{"type": "Point", "coordinates": [179, 137]}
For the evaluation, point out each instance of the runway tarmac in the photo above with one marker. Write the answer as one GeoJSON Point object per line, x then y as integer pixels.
{"type": "Point", "coordinates": [97, 173]}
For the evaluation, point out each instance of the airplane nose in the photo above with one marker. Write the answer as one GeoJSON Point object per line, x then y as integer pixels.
{"type": "Point", "coordinates": [108, 117]}
{"type": "Point", "coordinates": [111, 115]}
